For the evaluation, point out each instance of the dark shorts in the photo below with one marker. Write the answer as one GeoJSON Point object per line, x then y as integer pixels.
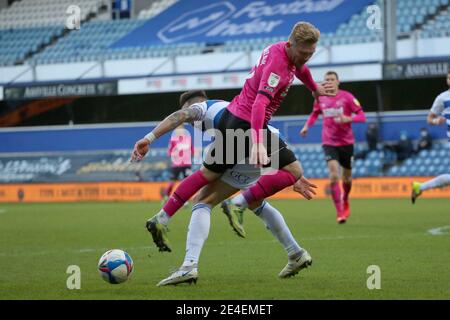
{"type": "Point", "coordinates": [280, 156]}
{"type": "Point", "coordinates": [179, 173]}
{"type": "Point", "coordinates": [342, 154]}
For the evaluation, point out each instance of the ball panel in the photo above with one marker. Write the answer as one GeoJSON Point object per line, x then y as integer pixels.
{"type": "Point", "coordinates": [115, 266]}
{"type": "Point", "coordinates": [120, 274]}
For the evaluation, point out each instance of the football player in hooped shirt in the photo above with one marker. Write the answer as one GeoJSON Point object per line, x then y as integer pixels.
{"type": "Point", "coordinates": [262, 94]}
{"type": "Point", "coordinates": [338, 113]}
{"type": "Point", "coordinates": [438, 115]}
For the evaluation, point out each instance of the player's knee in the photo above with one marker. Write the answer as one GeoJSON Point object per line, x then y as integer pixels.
{"type": "Point", "coordinates": [205, 200]}
{"type": "Point", "coordinates": [295, 169]}
{"type": "Point", "coordinates": [347, 179]}
{"type": "Point", "coordinates": [255, 205]}
{"type": "Point", "coordinates": [200, 197]}
{"type": "Point", "coordinates": [197, 199]}
{"type": "Point", "coordinates": [209, 175]}
{"type": "Point", "coordinates": [334, 177]}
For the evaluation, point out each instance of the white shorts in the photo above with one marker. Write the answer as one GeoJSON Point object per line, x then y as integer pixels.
{"type": "Point", "coordinates": [243, 176]}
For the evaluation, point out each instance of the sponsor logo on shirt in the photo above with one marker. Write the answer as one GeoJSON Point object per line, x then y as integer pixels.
{"type": "Point", "coordinates": [332, 112]}
{"type": "Point", "coordinates": [274, 80]}
{"type": "Point", "coordinates": [267, 88]}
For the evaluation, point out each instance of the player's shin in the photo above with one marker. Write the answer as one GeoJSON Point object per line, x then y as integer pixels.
{"type": "Point", "coordinates": [197, 233]}
{"type": "Point", "coordinates": [439, 181]}
{"type": "Point", "coordinates": [347, 187]}
{"type": "Point", "coordinates": [336, 195]}
{"type": "Point", "coordinates": [187, 188]}
{"type": "Point", "coordinates": [276, 224]}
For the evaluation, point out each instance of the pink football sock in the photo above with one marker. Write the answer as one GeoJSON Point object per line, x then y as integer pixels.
{"type": "Point", "coordinates": [268, 185]}
{"type": "Point", "coordinates": [186, 189]}
{"type": "Point", "coordinates": [347, 186]}
{"type": "Point", "coordinates": [337, 197]}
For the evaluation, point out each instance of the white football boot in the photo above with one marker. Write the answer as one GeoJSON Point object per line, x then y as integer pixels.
{"type": "Point", "coordinates": [296, 264]}
{"type": "Point", "coordinates": [187, 274]}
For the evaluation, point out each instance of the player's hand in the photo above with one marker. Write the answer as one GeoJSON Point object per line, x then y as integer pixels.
{"type": "Point", "coordinates": [140, 150]}
{"type": "Point", "coordinates": [342, 119]}
{"type": "Point", "coordinates": [324, 89]}
{"type": "Point", "coordinates": [304, 131]}
{"type": "Point", "coordinates": [441, 121]}
{"type": "Point", "coordinates": [305, 188]}
{"type": "Point", "coordinates": [258, 155]}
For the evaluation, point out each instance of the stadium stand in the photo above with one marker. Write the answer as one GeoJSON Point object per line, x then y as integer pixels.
{"type": "Point", "coordinates": [24, 19]}
{"type": "Point", "coordinates": [34, 31]}
{"type": "Point", "coordinates": [38, 13]}
{"type": "Point", "coordinates": [155, 8]}
{"type": "Point", "coordinates": [16, 44]}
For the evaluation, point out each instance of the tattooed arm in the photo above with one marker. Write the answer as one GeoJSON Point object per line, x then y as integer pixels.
{"type": "Point", "coordinates": [190, 114]}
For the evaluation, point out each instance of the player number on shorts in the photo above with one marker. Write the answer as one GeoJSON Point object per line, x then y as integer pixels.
{"type": "Point", "coordinates": [74, 280]}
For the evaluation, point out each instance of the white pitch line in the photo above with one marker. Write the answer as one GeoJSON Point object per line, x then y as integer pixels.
{"type": "Point", "coordinates": [439, 231]}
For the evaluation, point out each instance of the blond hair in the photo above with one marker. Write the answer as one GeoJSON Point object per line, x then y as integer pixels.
{"type": "Point", "coordinates": [304, 33]}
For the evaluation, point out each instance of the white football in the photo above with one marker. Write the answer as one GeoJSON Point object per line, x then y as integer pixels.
{"type": "Point", "coordinates": [115, 266]}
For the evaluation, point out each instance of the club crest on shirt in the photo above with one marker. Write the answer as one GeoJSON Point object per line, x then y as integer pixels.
{"type": "Point", "coordinates": [274, 79]}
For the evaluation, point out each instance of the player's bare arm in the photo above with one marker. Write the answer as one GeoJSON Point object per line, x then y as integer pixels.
{"type": "Point", "coordinates": [435, 119]}
{"type": "Point", "coordinates": [177, 118]}
{"type": "Point", "coordinates": [304, 130]}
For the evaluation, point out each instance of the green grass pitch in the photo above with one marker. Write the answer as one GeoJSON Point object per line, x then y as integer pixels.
{"type": "Point", "coordinates": [39, 242]}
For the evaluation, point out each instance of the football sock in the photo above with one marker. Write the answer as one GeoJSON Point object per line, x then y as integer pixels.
{"type": "Point", "coordinates": [336, 195]}
{"type": "Point", "coordinates": [268, 185]}
{"type": "Point", "coordinates": [186, 189]}
{"type": "Point", "coordinates": [439, 181]}
{"type": "Point", "coordinates": [162, 217]}
{"type": "Point", "coordinates": [347, 187]}
{"type": "Point", "coordinates": [198, 231]}
{"type": "Point", "coordinates": [274, 221]}
{"type": "Point", "coordinates": [239, 201]}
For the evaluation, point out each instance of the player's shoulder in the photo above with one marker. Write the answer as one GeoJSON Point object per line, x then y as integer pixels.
{"type": "Point", "coordinates": [199, 105]}
{"type": "Point", "coordinates": [346, 93]}
{"type": "Point", "coordinates": [273, 52]}
{"type": "Point", "coordinates": [215, 103]}
{"type": "Point", "coordinates": [350, 97]}
{"type": "Point", "coordinates": [444, 95]}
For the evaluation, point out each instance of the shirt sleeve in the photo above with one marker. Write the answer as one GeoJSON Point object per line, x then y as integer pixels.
{"type": "Point", "coordinates": [199, 110]}
{"type": "Point", "coordinates": [270, 84]}
{"type": "Point", "coordinates": [304, 75]}
{"type": "Point", "coordinates": [314, 115]}
{"type": "Point", "coordinates": [272, 76]}
{"type": "Point", "coordinates": [438, 106]}
{"type": "Point", "coordinates": [355, 105]}
{"type": "Point", "coordinates": [357, 111]}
